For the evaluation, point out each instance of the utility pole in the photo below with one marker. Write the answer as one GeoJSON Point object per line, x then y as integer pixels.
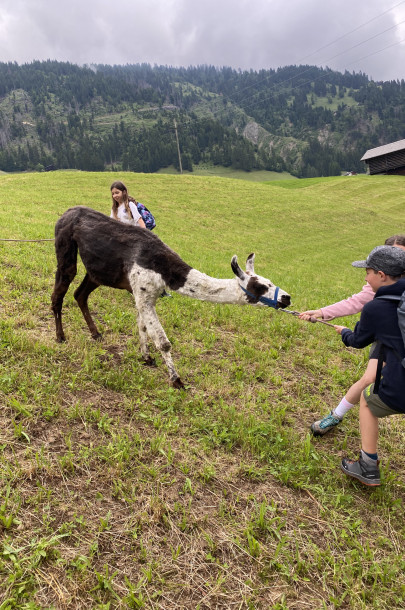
{"type": "Point", "coordinates": [178, 147]}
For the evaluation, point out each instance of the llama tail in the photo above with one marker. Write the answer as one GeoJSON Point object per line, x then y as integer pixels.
{"type": "Point", "coordinates": [65, 248]}
{"type": "Point", "coordinates": [66, 255]}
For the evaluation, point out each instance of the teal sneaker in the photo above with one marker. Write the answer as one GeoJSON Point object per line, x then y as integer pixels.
{"type": "Point", "coordinates": [322, 426]}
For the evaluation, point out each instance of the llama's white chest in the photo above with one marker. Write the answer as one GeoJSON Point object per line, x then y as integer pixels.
{"type": "Point", "coordinates": [145, 281]}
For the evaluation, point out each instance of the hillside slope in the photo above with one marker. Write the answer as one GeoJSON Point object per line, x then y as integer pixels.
{"type": "Point", "coordinates": [302, 119]}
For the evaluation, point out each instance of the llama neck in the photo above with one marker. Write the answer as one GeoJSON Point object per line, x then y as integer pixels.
{"type": "Point", "coordinates": [205, 288]}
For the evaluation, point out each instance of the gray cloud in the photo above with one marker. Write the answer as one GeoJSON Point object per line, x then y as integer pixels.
{"type": "Point", "coordinates": [246, 34]}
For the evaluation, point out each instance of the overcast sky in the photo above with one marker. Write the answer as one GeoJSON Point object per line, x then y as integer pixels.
{"type": "Point", "coordinates": [356, 35]}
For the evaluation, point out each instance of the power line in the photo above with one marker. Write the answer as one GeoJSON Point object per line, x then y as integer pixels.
{"type": "Point", "coordinates": [367, 40]}
{"type": "Point", "coordinates": [278, 85]}
{"type": "Point", "coordinates": [352, 31]}
{"type": "Point", "coordinates": [178, 147]}
{"type": "Point", "coordinates": [337, 55]}
{"type": "Point", "coordinates": [356, 61]}
{"type": "Point", "coordinates": [332, 42]}
{"type": "Point", "coordinates": [188, 122]}
{"type": "Point", "coordinates": [212, 114]}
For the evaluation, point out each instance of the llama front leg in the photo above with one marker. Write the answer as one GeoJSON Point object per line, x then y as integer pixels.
{"type": "Point", "coordinates": [143, 342]}
{"type": "Point", "coordinates": [152, 327]}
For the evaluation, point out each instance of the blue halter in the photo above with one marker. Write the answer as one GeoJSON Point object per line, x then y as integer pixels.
{"type": "Point", "coordinates": [266, 301]}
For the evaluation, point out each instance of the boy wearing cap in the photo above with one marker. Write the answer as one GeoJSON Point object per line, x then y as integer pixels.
{"type": "Point", "coordinates": [378, 322]}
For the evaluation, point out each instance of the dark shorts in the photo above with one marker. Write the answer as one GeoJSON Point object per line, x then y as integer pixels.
{"type": "Point", "coordinates": [376, 405]}
{"type": "Point", "coordinates": [374, 350]}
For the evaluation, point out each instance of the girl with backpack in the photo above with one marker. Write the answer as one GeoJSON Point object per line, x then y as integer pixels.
{"type": "Point", "coordinates": [123, 207]}
{"type": "Point", "coordinates": [127, 209]}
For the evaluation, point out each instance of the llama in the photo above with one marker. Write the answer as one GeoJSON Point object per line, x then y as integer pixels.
{"type": "Point", "coordinates": [132, 258]}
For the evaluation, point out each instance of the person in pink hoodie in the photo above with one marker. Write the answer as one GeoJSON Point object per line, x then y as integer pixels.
{"type": "Point", "coordinates": [348, 307]}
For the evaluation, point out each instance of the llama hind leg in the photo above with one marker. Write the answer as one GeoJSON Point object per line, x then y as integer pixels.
{"type": "Point", "coordinates": [63, 279]}
{"type": "Point", "coordinates": [81, 295]}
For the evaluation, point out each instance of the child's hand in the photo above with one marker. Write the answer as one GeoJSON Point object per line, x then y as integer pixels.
{"type": "Point", "coordinates": [311, 313]}
{"type": "Point", "coordinates": [339, 329]}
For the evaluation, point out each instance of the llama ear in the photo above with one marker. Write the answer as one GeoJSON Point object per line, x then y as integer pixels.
{"type": "Point", "coordinates": [250, 263]}
{"type": "Point", "coordinates": [236, 269]}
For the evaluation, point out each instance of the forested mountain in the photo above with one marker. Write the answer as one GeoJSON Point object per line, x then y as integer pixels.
{"type": "Point", "coordinates": [309, 121]}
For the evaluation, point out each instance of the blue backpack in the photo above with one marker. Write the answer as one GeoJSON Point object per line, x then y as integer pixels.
{"type": "Point", "coordinates": [401, 315]}
{"type": "Point", "coordinates": [147, 216]}
{"type": "Point", "coordinates": [401, 323]}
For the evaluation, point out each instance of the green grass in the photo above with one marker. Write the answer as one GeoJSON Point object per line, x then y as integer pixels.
{"type": "Point", "coordinates": [336, 101]}
{"type": "Point", "coordinates": [118, 491]}
{"type": "Point", "coordinates": [208, 169]}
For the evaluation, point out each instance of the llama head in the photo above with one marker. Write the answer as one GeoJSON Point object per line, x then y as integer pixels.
{"type": "Point", "coordinates": [258, 290]}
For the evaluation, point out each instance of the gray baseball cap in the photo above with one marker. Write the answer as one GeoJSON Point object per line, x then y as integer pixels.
{"type": "Point", "coordinates": [389, 259]}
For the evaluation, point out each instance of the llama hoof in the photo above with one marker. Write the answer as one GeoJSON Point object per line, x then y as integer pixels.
{"type": "Point", "coordinates": [178, 384]}
{"type": "Point", "coordinates": [149, 361]}
{"type": "Point", "coordinates": [97, 337]}
{"type": "Point", "coordinates": [61, 339]}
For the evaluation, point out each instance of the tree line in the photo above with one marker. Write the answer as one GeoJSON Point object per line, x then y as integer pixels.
{"type": "Point", "coordinates": [49, 116]}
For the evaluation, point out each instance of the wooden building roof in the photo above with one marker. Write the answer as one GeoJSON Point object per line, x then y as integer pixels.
{"type": "Point", "coordinates": [388, 159]}
{"type": "Point", "coordinates": [383, 150]}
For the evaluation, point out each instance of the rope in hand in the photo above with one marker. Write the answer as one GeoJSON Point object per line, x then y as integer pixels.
{"type": "Point", "coordinates": [313, 320]}
{"type": "Point", "coordinates": [50, 239]}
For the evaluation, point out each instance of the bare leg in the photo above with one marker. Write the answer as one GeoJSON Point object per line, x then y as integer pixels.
{"type": "Point", "coordinates": [354, 393]}
{"type": "Point", "coordinates": [368, 428]}
{"type": "Point", "coordinates": [330, 421]}
{"type": "Point", "coordinates": [81, 295]}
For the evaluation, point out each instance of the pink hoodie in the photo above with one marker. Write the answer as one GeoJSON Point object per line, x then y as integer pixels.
{"type": "Point", "coordinates": [350, 306]}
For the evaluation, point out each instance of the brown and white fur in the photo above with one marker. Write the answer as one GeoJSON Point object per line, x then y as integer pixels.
{"type": "Point", "coordinates": [132, 258]}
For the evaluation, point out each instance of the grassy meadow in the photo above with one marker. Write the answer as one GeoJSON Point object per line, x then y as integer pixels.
{"type": "Point", "coordinates": [118, 491]}
{"type": "Point", "coordinates": [219, 171]}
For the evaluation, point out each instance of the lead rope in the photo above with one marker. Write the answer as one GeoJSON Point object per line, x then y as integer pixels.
{"type": "Point", "coordinates": [313, 320]}
{"type": "Point", "coordinates": [31, 240]}
{"type": "Point", "coordinates": [273, 303]}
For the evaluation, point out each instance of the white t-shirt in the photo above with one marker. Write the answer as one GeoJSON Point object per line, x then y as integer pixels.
{"type": "Point", "coordinates": [123, 215]}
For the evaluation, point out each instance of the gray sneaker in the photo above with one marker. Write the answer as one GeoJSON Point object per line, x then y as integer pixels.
{"type": "Point", "coordinates": [366, 473]}
{"type": "Point", "coordinates": [322, 426]}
